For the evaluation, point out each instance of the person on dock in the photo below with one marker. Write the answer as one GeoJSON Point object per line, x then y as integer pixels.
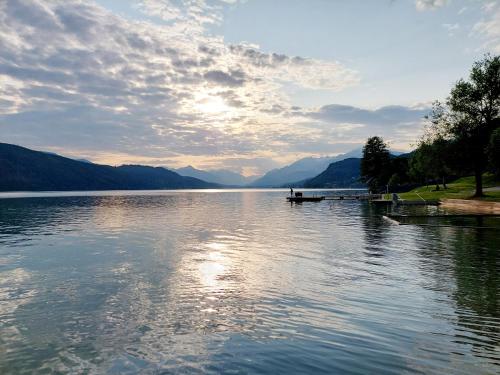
{"type": "Point", "coordinates": [291, 191]}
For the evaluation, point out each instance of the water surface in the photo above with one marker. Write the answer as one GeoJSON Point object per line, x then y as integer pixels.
{"type": "Point", "coordinates": [240, 282]}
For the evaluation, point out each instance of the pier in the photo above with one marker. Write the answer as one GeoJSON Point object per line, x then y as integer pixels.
{"type": "Point", "coordinates": [299, 197]}
{"type": "Point", "coordinates": [353, 197]}
{"type": "Point", "coordinates": [401, 219]}
{"type": "Point", "coordinates": [373, 198]}
{"type": "Point", "coordinates": [397, 201]}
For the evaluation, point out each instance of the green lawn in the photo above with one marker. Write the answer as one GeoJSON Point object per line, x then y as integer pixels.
{"type": "Point", "coordinates": [463, 188]}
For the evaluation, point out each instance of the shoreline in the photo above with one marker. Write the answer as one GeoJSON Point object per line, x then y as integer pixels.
{"type": "Point", "coordinates": [472, 205]}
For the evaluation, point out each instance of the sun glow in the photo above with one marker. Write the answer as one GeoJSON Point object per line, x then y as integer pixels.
{"type": "Point", "coordinates": [212, 104]}
{"type": "Point", "coordinates": [214, 266]}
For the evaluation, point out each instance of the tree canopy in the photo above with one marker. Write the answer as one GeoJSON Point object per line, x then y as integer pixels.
{"type": "Point", "coordinates": [462, 137]}
{"type": "Point", "coordinates": [459, 134]}
{"type": "Point", "coordinates": [374, 164]}
{"type": "Point", "coordinates": [474, 108]}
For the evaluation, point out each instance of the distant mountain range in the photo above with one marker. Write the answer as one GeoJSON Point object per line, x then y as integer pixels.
{"type": "Point", "coordinates": [345, 173]}
{"type": "Point", "coordinates": [301, 170]}
{"type": "Point", "coordinates": [341, 174]}
{"type": "Point", "coordinates": [218, 176]}
{"type": "Point", "coordinates": [22, 169]}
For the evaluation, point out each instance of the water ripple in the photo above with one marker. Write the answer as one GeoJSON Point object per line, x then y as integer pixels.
{"type": "Point", "coordinates": [240, 282]}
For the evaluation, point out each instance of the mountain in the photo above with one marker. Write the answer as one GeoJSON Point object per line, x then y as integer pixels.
{"type": "Point", "coordinates": [22, 169]}
{"type": "Point", "coordinates": [302, 169]}
{"type": "Point", "coordinates": [218, 176]}
{"type": "Point", "coordinates": [341, 174]}
{"type": "Point", "coordinates": [226, 177]}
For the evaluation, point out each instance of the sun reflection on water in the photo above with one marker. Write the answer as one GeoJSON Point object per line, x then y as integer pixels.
{"type": "Point", "coordinates": [211, 270]}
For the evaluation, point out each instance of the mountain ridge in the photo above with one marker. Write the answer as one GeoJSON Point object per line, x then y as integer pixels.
{"type": "Point", "coordinates": [301, 170]}
{"type": "Point", "coordinates": [340, 174]}
{"type": "Point", "coordinates": [220, 176]}
{"type": "Point", "coordinates": [23, 169]}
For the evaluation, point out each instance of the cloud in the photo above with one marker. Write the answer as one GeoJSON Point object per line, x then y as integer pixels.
{"type": "Point", "coordinates": [384, 116]}
{"type": "Point", "coordinates": [423, 5]}
{"type": "Point", "coordinates": [306, 72]}
{"type": "Point", "coordinates": [342, 123]}
{"type": "Point", "coordinates": [233, 78]}
{"type": "Point", "coordinates": [451, 28]}
{"type": "Point", "coordinates": [78, 79]}
{"type": "Point", "coordinates": [488, 28]}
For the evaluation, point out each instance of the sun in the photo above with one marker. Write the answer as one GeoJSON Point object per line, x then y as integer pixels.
{"type": "Point", "coordinates": [212, 104]}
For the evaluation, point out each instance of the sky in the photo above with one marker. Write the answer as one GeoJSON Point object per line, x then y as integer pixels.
{"type": "Point", "coordinates": [245, 85]}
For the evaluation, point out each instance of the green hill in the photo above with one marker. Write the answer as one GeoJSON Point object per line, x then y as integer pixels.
{"type": "Point", "coordinates": [341, 174]}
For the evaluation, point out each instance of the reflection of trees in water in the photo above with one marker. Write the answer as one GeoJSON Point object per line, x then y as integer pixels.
{"type": "Point", "coordinates": [465, 264]}
{"type": "Point", "coordinates": [472, 260]}
{"type": "Point", "coordinates": [477, 268]}
{"type": "Point", "coordinates": [374, 229]}
{"type": "Point", "coordinates": [477, 273]}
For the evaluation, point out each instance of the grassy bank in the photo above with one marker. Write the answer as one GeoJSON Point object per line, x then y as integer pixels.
{"type": "Point", "coordinates": [463, 188]}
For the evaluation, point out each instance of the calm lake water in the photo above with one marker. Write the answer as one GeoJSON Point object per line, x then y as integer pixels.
{"type": "Point", "coordinates": [241, 282]}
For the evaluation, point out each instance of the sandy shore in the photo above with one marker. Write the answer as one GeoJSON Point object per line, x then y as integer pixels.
{"type": "Point", "coordinates": [472, 205]}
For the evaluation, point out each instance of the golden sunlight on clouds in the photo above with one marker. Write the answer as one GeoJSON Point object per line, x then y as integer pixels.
{"type": "Point", "coordinates": [212, 105]}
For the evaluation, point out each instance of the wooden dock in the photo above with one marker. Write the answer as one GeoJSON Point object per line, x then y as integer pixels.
{"type": "Point", "coordinates": [342, 197]}
{"type": "Point", "coordinates": [404, 202]}
{"type": "Point", "coordinates": [399, 219]}
{"type": "Point", "coordinates": [353, 197]}
{"type": "Point", "coordinates": [381, 201]}
{"type": "Point", "coordinates": [464, 215]}
{"type": "Point", "coordinates": [396, 201]}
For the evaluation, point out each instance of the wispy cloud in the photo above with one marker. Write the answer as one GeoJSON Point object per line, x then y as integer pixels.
{"type": "Point", "coordinates": [423, 5]}
{"type": "Point", "coordinates": [451, 28]}
{"type": "Point", "coordinates": [488, 28]}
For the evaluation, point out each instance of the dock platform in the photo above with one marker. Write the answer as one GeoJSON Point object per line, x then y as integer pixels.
{"type": "Point", "coordinates": [343, 197]}
{"type": "Point", "coordinates": [353, 197]}
{"type": "Point", "coordinates": [304, 199]}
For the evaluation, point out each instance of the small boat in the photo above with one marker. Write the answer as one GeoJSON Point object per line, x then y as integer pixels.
{"type": "Point", "coordinates": [304, 199]}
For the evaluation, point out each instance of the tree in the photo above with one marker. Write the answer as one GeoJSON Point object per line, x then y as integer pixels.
{"type": "Point", "coordinates": [432, 161]}
{"type": "Point", "coordinates": [375, 164]}
{"type": "Point", "coordinates": [474, 110]}
{"type": "Point", "coordinates": [494, 152]}
{"type": "Point", "coordinates": [420, 164]}
{"type": "Point", "coordinates": [394, 181]}
{"type": "Point", "coordinates": [399, 167]}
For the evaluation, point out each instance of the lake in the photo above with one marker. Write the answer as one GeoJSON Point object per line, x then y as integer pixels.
{"type": "Point", "coordinates": [236, 282]}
